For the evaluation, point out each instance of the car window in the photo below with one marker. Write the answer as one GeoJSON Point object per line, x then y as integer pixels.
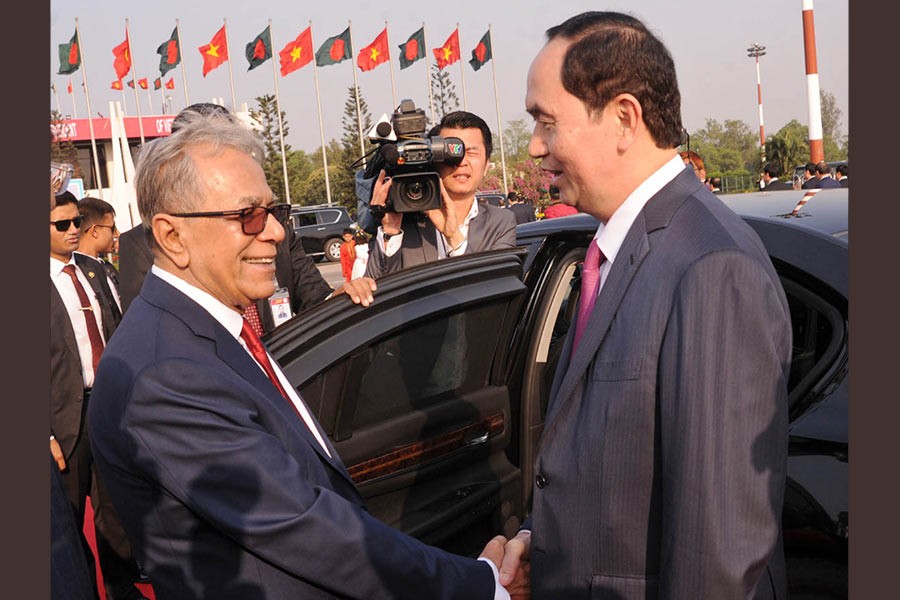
{"type": "Point", "coordinates": [414, 369]}
{"type": "Point", "coordinates": [304, 219]}
{"type": "Point", "coordinates": [328, 216]}
{"type": "Point", "coordinates": [818, 329]}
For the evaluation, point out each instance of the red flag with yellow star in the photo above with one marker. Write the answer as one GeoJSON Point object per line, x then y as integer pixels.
{"type": "Point", "coordinates": [449, 52]}
{"type": "Point", "coordinates": [215, 52]}
{"type": "Point", "coordinates": [116, 85]}
{"type": "Point", "coordinates": [297, 53]}
{"type": "Point", "coordinates": [375, 53]}
{"type": "Point", "coordinates": [122, 62]}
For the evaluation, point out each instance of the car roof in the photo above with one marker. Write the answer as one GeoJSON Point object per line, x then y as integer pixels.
{"type": "Point", "coordinates": [825, 211]}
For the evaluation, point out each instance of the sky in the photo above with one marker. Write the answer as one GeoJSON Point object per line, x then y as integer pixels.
{"type": "Point", "coordinates": [708, 40]}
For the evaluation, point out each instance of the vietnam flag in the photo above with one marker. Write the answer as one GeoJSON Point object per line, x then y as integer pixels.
{"type": "Point", "coordinates": [170, 84]}
{"type": "Point", "coordinates": [143, 83]}
{"type": "Point", "coordinates": [215, 52]}
{"type": "Point", "coordinates": [413, 49]}
{"type": "Point", "coordinates": [335, 49]}
{"type": "Point", "coordinates": [157, 83]}
{"type": "Point", "coordinates": [297, 53]}
{"type": "Point", "coordinates": [116, 85]}
{"type": "Point", "coordinates": [375, 53]}
{"type": "Point", "coordinates": [482, 52]}
{"type": "Point", "coordinates": [449, 52]}
{"type": "Point", "coordinates": [122, 62]}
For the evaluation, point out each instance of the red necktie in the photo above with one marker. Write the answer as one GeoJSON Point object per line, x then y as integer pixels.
{"type": "Point", "coordinates": [255, 345]}
{"type": "Point", "coordinates": [251, 314]}
{"type": "Point", "coordinates": [89, 319]}
{"type": "Point", "coordinates": [590, 283]}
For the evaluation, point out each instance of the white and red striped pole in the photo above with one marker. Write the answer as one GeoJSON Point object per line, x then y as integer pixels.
{"type": "Point", "coordinates": [816, 147]}
{"type": "Point", "coordinates": [755, 51]}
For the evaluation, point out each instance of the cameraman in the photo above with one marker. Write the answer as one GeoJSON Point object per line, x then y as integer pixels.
{"type": "Point", "coordinates": [465, 226]}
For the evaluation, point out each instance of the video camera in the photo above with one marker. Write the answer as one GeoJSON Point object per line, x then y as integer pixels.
{"type": "Point", "coordinates": [409, 158]}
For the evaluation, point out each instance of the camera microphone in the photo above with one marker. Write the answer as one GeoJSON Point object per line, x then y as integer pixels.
{"type": "Point", "coordinates": [383, 129]}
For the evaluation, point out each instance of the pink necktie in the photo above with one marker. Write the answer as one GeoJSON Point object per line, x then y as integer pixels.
{"type": "Point", "coordinates": [590, 283]}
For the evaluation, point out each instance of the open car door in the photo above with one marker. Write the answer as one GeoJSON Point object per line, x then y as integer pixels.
{"type": "Point", "coordinates": [412, 393]}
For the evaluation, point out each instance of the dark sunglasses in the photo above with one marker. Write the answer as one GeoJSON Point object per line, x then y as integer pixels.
{"type": "Point", "coordinates": [63, 224]}
{"type": "Point", "coordinates": [253, 219]}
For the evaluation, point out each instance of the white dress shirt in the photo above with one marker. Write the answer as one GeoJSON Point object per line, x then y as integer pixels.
{"type": "Point", "coordinates": [66, 289]}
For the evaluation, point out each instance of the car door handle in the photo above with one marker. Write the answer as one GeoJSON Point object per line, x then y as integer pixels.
{"type": "Point", "coordinates": [320, 229]}
{"type": "Point", "coordinates": [477, 439]}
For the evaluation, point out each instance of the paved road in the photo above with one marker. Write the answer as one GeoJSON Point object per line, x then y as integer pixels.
{"type": "Point", "coordinates": [331, 271]}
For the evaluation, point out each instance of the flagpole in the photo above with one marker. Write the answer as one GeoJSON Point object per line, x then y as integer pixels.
{"type": "Point", "coordinates": [287, 189]}
{"type": "Point", "coordinates": [124, 104]}
{"type": "Point", "coordinates": [149, 101]}
{"type": "Point", "coordinates": [187, 101]}
{"type": "Point", "coordinates": [428, 74]}
{"type": "Point", "coordinates": [74, 105]}
{"type": "Point", "coordinates": [56, 96]}
{"type": "Point", "coordinates": [497, 105]}
{"type": "Point", "coordinates": [321, 125]}
{"type": "Point", "coordinates": [462, 76]}
{"type": "Point", "coordinates": [387, 39]}
{"type": "Point", "coordinates": [362, 147]}
{"type": "Point", "coordinates": [87, 101]}
{"type": "Point", "coordinates": [162, 96]}
{"type": "Point", "coordinates": [234, 106]}
{"type": "Point", "coordinates": [137, 99]}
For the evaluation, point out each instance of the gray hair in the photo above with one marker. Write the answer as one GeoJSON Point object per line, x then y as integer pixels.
{"type": "Point", "coordinates": [166, 178]}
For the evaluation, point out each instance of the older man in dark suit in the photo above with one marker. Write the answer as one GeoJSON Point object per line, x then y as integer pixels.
{"type": "Point", "coordinates": [461, 226]}
{"type": "Point", "coordinates": [661, 469]}
{"type": "Point", "coordinates": [227, 484]}
{"type": "Point", "coordinates": [83, 317]}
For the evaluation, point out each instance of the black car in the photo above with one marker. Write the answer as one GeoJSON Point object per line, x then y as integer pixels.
{"type": "Point", "coordinates": [320, 228]}
{"type": "Point", "coordinates": [435, 395]}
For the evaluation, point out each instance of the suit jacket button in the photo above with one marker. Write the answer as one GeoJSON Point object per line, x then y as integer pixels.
{"type": "Point", "coordinates": [540, 481]}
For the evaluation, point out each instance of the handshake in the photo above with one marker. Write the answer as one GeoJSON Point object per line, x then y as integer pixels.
{"type": "Point", "coordinates": [511, 560]}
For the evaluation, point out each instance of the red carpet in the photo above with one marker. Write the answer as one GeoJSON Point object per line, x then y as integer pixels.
{"type": "Point", "coordinates": [145, 588]}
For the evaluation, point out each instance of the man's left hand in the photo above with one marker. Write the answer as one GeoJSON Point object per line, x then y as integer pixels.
{"type": "Point", "coordinates": [444, 219]}
{"type": "Point", "coordinates": [360, 290]}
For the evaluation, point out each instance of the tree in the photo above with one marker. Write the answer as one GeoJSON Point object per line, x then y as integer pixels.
{"type": "Point", "coordinates": [516, 137]}
{"type": "Point", "coordinates": [728, 147]}
{"type": "Point", "coordinates": [789, 147]}
{"type": "Point", "coordinates": [526, 179]}
{"type": "Point", "coordinates": [350, 141]}
{"type": "Point", "coordinates": [444, 92]}
{"type": "Point", "coordinates": [834, 144]}
{"type": "Point", "coordinates": [267, 117]}
{"type": "Point", "coordinates": [62, 151]}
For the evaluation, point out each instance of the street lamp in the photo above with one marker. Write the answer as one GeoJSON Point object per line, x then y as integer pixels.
{"type": "Point", "coordinates": [755, 51]}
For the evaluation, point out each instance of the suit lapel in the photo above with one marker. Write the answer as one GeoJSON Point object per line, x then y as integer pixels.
{"type": "Point", "coordinates": [634, 249]}
{"type": "Point", "coordinates": [230, 351]}
{"type": "Point", "coordinates": [59, 319]}
{"type": "Point", "coordinates": [656, 214]}
{"type": "Point", "coordinates": [477, 228]}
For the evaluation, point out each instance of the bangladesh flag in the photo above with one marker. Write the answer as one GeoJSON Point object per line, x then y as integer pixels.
{"type": "Point", "coordinates": [157, 83]}
{"type": "Point", "coordinates": [482, 52]}
{"type": "Point", "coordinates": [260, 49]}
{"type": "Point", "coordinates": [69, 56]}
{"type": "Point", "coordinates": [334, 50]}
{"type": "Point", "coordinates": [413, 49]}
{"type": "Point", "coordinates": [169, 54]}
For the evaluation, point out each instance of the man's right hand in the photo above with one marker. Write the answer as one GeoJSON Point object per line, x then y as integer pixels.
{"type": "Point", "coordinates": [57, 454]}
{"type": "Point", "coordinates": [391, 221]}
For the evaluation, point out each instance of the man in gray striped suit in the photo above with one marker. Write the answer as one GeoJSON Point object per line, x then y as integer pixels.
{"type": "Point", "coordinates": [661, 469]}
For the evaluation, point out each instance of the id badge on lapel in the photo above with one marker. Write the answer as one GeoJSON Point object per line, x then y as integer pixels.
{"type": "Point", "coordinates": [280, 303]}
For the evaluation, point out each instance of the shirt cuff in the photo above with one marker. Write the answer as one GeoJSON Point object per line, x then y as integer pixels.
{"type": "Point", "coordinates": [393, 243]}
{"type": "Point", "coordinates": [500, 592]}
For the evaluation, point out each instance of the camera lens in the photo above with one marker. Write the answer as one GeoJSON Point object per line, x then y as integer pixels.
{"type": "Point", "coordinates": [415, 191]}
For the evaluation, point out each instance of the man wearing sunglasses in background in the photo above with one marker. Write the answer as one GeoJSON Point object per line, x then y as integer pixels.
{"type": "Point", "coordinates": [99, 236]}
{"type": "Point", "coordinates": [226, 483]}
{"type": "Point", "coordinates": [83, 316]}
